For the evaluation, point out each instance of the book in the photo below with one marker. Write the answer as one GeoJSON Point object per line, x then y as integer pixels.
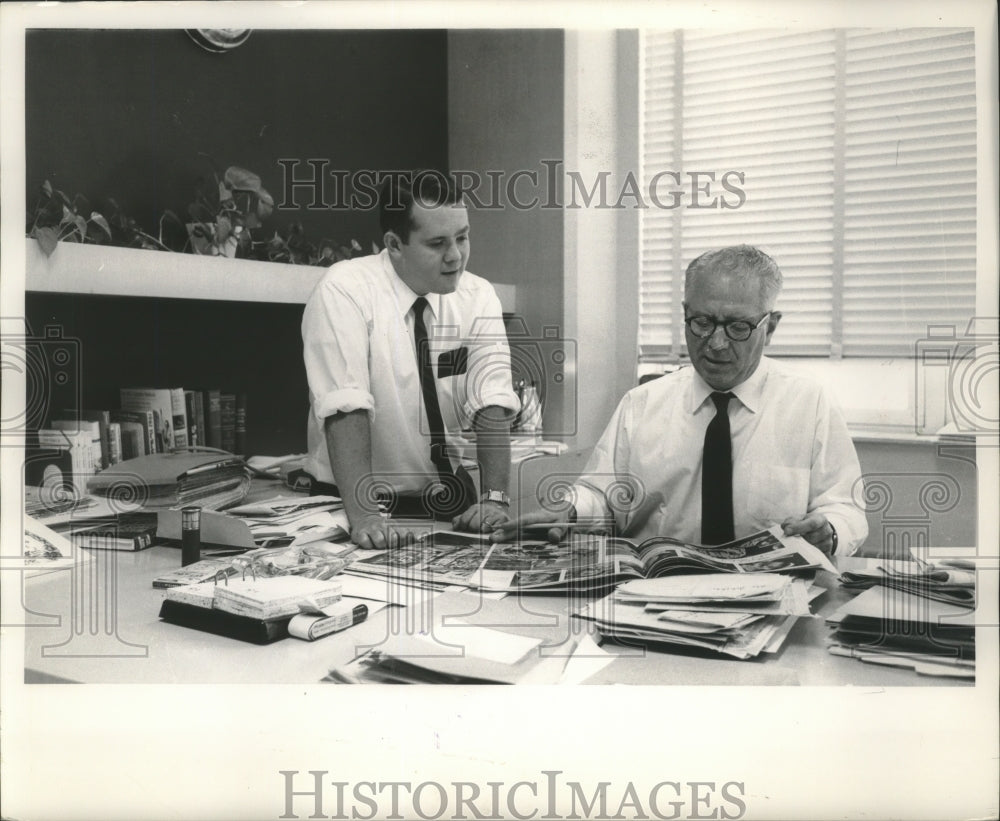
{"type": "Point", "coordinates": [212, 401]}
{"type": "Point", "coordinates": [178, 408]}
{"type": "Point", "coordinates": [127, 531]}
{"type": "Point", "coordinates": [160, 402]}
{"type": "Point", "coordinates": [133, 440]}
{"type": "Point", "coordinates": [115, 443]}
{"type": "Point", "coordinates": [227, 420]}
{"type": "Point", "coordinates": [146, 421]}
{"type": "Point", "coordinates": [192, 422]}
{"type": "Point", "coordinates": [60, 461]}
{"type": "Point", "coordinates": [73, 424]}
{"type": "Point", "coordinates": [103, 420]}
{"type": "Point", "coordinates": [584, 561]}
{"type": "Point", "coordinates": [199, 418]}
{"type": "Point", "coordinates": [240, 425]}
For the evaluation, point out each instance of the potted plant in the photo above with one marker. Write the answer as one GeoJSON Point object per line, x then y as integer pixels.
{"type": "Point", "coordinates": [226, 212]}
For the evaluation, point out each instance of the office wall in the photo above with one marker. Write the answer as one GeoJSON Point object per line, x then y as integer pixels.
{"type": "Point", "coordinates": [505, 114]}
{"type": "Point", "coordinates": [126, 113]}
{"type": "Point", "coordinates": [919, 491]}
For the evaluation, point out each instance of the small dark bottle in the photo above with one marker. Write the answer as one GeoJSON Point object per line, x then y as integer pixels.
{"type": "Point", "coordinates": [190, 535]}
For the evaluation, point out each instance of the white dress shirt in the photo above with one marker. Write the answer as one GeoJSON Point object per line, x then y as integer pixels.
{"type": "Point", "coordinates": [792, 455]}
{"type": "Point", "coordinates": [359, 350]}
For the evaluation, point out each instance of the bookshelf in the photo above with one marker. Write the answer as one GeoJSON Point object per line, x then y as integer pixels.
{"type": "Point", "coordinates": [152, 318]}
{"type": "Point", "coordinates": [155, 318]}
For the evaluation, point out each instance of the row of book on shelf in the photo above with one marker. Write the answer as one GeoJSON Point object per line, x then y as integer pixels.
{"type": "Point", "coordinates": [78, 444]}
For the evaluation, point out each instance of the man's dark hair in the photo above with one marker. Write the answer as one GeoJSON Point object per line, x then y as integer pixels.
{"type": "Point", "coordinates": [432, 189]}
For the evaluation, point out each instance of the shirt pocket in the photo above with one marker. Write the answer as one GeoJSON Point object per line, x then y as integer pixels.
{"type": "Point", "coordinates": [776, 493]}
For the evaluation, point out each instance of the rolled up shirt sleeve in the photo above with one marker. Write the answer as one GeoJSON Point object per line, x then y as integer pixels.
{"type": "Point", "coordinates": [488, 378]}
{"type": "Point", "coordinates": [335, 350]}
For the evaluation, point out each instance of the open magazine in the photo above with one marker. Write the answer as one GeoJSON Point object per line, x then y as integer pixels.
{"type": "Point", "coordinates": [584, 561]}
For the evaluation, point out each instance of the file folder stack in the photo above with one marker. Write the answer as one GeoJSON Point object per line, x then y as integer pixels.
{"type": "Point", "coordinates": [899, 628]}
{"type": "Point", "coordinates": [166, 480]}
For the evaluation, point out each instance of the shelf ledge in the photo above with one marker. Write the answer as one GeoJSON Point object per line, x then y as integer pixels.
{"type": "Point", "coordinates": [76, 268]}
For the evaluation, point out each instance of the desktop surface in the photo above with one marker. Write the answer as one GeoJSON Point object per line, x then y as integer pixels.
{"type": "Point", "coordinates": [99, 623]}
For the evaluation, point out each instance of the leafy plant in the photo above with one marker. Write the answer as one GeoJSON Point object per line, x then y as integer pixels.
{"type": "Point", "coordinates": [296, 249]}
{"type": "Point", "coordinates": [56, 218]}
{"type": "Point", "coordinates": [228, 208]}
{"type": "Point", "coordinates": [226, 211]}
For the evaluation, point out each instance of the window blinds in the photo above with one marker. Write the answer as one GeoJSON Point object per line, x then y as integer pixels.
{"type": "Point", "coordinates": [857, 150]}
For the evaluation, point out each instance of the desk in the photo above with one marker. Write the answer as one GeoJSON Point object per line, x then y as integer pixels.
{"type": "Point", "coordinates": [96, 641]}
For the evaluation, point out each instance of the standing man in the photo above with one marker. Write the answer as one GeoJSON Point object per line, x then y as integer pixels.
{"type": "Point", "coordinates": [403, 350]}
{"type": "Point", "coordinates": [733, 445]}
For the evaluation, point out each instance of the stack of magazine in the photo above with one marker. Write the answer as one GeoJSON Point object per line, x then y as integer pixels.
{"type": "Point", "coordinates": [735, 614]}
{"type": "Point", "coordinates": [914, 615]}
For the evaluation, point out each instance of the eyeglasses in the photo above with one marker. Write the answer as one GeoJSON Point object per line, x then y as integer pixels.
{"type": "Point", "coordinates": [738, 330]}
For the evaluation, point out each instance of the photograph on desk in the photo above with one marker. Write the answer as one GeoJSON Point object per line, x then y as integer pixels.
{"type": "Point", "coordinates": [583, 561]}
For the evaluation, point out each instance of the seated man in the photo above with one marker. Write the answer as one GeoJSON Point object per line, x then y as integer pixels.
{"type": "Point", "coordinates": [403, 350]}
{"type": "Point", "coordinates": [731, 446]}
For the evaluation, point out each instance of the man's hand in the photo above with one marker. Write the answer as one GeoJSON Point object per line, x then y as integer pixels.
{"type": "Point", "coordinates": [376, 532]}
{"type": "Point", "coordinates": [482, 517]}
{"type": "Point", "coordinates": [814, 528]}
{"type": "Point", "coordinates": [537, 520]}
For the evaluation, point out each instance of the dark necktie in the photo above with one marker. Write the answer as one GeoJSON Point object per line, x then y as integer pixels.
{"type": "Point", "coordinates": [459, 492]}
{"type": "Point", "coordinates": [717, 476]}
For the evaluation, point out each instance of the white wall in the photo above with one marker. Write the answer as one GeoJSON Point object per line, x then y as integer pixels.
{"type": "Point", "coordinates": [601, 244]}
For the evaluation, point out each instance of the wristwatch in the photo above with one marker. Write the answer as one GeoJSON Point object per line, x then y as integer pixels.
{"type": "Point", "coordinates": [496, 496]}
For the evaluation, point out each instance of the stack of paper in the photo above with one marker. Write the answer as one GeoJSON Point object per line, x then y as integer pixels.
{"type": "Point", "coordinates": [885, 625]}
{"type": "Point", "coordinates": [472, 640]}
{"type": "Point", "coordinates": [943, 581]}
{"type": "Point", "coordinates": [736, 615]}
{"type": "Point", "coordinates": [295, 521]}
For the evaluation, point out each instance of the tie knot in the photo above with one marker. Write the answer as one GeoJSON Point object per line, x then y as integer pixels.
{"type": "Point", "coordinates": [721, 401]}
{"type": "Point", "coordinates": [418, 306]}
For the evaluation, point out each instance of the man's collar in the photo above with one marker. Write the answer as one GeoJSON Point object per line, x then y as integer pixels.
{"type": "Point", "coordinates": [749, 391]}
{"type": "Point", "coordinates": [405, 295]}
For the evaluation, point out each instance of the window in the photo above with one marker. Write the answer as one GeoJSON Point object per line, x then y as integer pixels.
{"type": "Point", "coordinates": [849, 155]}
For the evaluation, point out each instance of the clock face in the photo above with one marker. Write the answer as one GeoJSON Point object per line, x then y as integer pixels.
{"type": "Point", "coordinates": [219, 40]}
